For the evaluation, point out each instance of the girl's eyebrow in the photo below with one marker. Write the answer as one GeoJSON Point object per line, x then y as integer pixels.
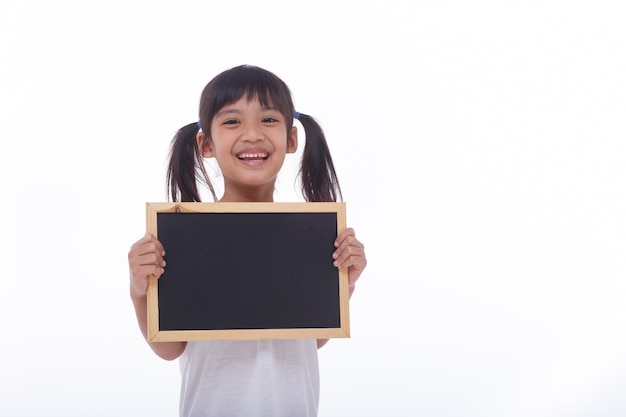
{"type": "Point", "coordinates": [227, 111]}
{"type": "Point", "coordinates": [236, 111]}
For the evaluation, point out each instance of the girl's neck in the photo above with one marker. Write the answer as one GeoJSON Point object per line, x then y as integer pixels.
{"type": "Point", "coordinates": [247, 196]}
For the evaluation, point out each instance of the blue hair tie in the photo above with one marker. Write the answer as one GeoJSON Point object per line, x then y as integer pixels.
{"type": "Point", "coordinates": [199, 125]}
{"type": "Point", "coordinates": [297, 116]}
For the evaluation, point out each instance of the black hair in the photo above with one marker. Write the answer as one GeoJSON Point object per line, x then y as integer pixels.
{"type": "Point", "coordinates": [317, 172]}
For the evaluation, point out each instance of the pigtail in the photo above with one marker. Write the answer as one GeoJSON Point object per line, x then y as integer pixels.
{"type": "Point", "coordinates": [186, 166]}
{"type": "Point", "coordinates": [317, 172]}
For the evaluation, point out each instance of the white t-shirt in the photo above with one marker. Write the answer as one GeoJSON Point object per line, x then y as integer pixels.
{"type": "Point", "coordinates": [250, 378]}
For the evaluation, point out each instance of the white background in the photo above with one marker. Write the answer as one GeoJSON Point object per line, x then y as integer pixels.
{"type": "Point", "coordinates": [481, 147]}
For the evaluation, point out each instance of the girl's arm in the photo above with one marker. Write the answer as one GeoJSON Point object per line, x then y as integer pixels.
{"type": "Point", "coordinates": [145, 258]}
{"type": "Point", "coordinates": [350, 254]}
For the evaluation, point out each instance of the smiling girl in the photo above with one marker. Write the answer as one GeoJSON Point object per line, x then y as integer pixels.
{"type": "Point", "coordinates": [246, 124]}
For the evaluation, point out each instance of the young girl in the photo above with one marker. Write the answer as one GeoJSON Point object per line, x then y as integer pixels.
{"type": "Point", "coordinates": [246, 124]}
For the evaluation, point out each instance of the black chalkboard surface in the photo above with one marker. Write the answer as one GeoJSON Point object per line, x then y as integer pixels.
{"type": "Point", "coordinates": [247, 271]}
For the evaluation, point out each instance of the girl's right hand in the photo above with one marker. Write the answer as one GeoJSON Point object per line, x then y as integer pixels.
{"type": "Point", "coordinates": [145, 258]}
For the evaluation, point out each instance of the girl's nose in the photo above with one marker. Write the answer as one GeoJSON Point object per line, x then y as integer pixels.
{"type": "Point", "coordinates": [252, 133]}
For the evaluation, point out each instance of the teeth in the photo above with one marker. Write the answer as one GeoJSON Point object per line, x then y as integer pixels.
{"type": "Point", "coordinates": [252, 155]}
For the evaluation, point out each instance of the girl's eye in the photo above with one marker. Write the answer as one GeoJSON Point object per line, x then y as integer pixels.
{"type": "Point", "coordinates": [230, 122]}
{"type": "Point", "coordinates": [269, 120]}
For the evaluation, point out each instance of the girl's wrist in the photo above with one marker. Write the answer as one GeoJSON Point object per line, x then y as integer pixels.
{"type": "Point", "coordinates": [137, 296]}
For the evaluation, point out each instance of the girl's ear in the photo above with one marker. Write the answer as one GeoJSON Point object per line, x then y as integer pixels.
{"type": "Point", "coordinates": [292, 140]}
{"type": "Point", "coordinates": [205, 146]}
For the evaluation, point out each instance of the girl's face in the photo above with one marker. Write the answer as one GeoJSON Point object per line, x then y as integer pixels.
{"type": "Point", "coordinates": [249, 143]}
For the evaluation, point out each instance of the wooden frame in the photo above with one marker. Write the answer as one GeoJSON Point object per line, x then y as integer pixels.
{"type": "Point", "coordinates": [318, 300]}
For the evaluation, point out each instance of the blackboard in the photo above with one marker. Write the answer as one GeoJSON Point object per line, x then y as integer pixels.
{"type": "Point", "coordinates": [247, 271]}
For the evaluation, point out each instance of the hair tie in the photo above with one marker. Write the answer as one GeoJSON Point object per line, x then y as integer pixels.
{"type": "Point", "coordinates": [199, 125]}
{"type": "Point", "coordinates": [297, 116]}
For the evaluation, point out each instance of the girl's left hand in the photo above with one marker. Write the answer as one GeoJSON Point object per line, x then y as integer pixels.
{"type": "Point", "coordinates": [350, 254]}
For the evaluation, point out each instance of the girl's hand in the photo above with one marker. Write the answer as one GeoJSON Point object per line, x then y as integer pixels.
{"type": "Point", "coordinates": [350, 254]}
{"type": "Point", "coordinates": [145, 258]}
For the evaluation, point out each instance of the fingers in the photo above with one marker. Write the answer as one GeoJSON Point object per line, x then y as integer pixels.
{"type": "Point", "coordinates": [148, 243]}
{"type": "Point", "coordinates": [350, 252]}
{"type": "Point", "coordinates": [347, 246]}
{"type": "Point", "coordinates": [145, 258]}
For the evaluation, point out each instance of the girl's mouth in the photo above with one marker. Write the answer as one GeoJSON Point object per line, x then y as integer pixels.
{"type": "Point", "coordinates": [252, 157]}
